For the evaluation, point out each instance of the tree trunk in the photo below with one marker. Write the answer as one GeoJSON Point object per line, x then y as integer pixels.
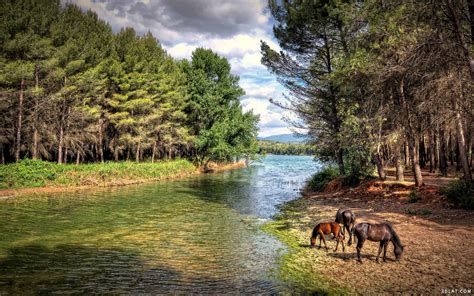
{"type": "Point", "coordinates": [34, 152]}
{"type": "Point", "coordinates": [60, 145]}
{"type": "Point", "coordinates": [443, 165]}
{"type": "Point", "coordinates": [20, 119]}
{"type": "Point", "coordinates": [458, 31]}
{"type": "Point", "coordinates": [380, 170]}
{"type": "Point", "coordinates": [78, 158]}
{"type": "Point", "coordinates": [432, 153]}
{"type": "Point", "coordinates": [414, 148]}
{"type": "Point", "coordinates": [116, 153]}
{"type": "Point", "coordinates": [153, 152]}
{"type": "Point", "coordinates": [100, 144]}
{"type": "Point", "coordinates": [340, 161]}
{"type": "Point", "coordinates": [137, 154]}
{"type": "Point", "coordinates": [398, 163]}
{"type": "Point", "coordinates": [422, 152]}
{"type": "Point", "coordinates": [462, 157]}
{"type": "Point", "coordinates": [65, 154]}
{"type": "Point", "coordinates": [407, 154]}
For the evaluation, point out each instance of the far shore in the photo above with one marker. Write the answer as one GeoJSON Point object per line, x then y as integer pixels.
{"type": "Point", "coordinates": [7, 193]}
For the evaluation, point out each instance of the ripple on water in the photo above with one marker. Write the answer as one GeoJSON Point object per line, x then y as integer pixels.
{"type": "Point", "coordinates": [196, 235]}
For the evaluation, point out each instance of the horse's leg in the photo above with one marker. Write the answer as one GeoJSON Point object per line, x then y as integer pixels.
{"type": "Point", "coordinates": [337, 243]}
{"type": "Point", "coordinates": [324, 240]}
{"type": "Point", "coordinates": [349, 243]}
{"type": "Point", "coordinates": [346, 226]}
{"type": "Point", "coordinates": [385, 252]}
{"type": "Point", "coordinates": [343, 247]}
{"type": "Point", "coordinates": [360, 244]}
{"type": "Point", "coordinates": [380, 251]}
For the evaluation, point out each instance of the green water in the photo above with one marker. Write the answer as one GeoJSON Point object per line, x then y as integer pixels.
{"type": "Point", "coordinates": [196, 235]}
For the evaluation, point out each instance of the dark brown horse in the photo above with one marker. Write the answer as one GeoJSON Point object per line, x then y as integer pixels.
{"type": "Point", "coordinates": [347, 219]}
{"type": "Point", "coordinates": [382, 233]}
{"type": "Point", "coordinates": [327, 228]}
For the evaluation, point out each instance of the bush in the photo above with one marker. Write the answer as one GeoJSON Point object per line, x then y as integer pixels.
{"type": "Point", "coordinates": [461, 193]}
{"type": "Point", "coordinates": [414, 197]}
{"type": "Point", "coordinates": [322, 178]}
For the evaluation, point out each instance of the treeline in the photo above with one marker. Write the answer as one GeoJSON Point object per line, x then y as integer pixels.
{"type": "Point", "coordinates": [72, 91]}
{"type": "Point", "coordinates": [272, 147]}
{"type": "Point", "coordinates": [380, 82]}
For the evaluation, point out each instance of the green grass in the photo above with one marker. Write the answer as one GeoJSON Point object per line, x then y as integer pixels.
{"type": "Point", "coordinates": [36, 173]}
{"type": "Point", "coordinates": [298, 267]}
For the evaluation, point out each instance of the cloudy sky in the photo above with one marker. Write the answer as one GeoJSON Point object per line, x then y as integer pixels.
{"type": "Point", "coordinates": [232, 28]}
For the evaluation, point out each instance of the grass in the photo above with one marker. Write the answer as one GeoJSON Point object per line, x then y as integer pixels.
{"type": "Point", "coordinates": [461, 193]}
{"type": "Point", "coordinates": [36, 173]}
{"type": "Point", "coordinates": [297, 266]}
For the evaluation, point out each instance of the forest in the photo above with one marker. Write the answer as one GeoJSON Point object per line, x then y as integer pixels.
{"type": "Point", "coordinates": [379, 83]}
{"type": "Point", "coordinates": [73, 91]}
{"type": "Point", "coordinates": [272, 147]}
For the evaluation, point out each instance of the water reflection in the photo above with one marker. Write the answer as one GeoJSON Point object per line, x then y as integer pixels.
{"type": "Point", "coordinates": [196, 235]}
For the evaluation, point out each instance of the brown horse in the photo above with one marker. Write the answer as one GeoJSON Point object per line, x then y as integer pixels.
{"type": "Point", "coordinates": [347, 219]}
{"type": "Point", "coordinates": [327, 228]}
{"type": "Point", "coordinates": [382, 233]}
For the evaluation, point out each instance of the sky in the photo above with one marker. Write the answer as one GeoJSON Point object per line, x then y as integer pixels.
{"type": "Point", "coordinates": [232, 28]}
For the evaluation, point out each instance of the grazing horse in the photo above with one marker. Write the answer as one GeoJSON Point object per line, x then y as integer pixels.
{"type": "Point", "coordinates": [382, 233]}
{"type": "Point", "coordinates": [327, 228]}
{"type": "Point", "coordinates": [347, 219]}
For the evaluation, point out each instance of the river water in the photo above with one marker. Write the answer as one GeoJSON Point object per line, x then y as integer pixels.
{"type": "Point", "coordinates": [195, 235]}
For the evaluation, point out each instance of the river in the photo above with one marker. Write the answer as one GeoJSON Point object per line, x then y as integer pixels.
{"type": "Point", "coordinates": [195, 235]}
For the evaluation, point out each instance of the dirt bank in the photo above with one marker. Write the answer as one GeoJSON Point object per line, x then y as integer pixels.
{"type": "Point", "coordinates": [438, 240]}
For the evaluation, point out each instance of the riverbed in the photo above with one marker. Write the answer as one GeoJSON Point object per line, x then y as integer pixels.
{"type": "Point", "coordinates": [195, 235]}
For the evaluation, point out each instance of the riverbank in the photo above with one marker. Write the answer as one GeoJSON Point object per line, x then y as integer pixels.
{"type": "Point", "coordinates": [437, 239]}
{"type": "Point", "coordinates": [33, 176]}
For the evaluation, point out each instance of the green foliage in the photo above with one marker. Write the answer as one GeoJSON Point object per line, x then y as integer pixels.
{"type": "Point", "coordinates": [272, 147]}
{"type": "Point", "coordinates": [414, 196]}
{"type": "Point", "coordinates": [322, 178]}
{"type": "Point", "coordinates": [461, 193]}
{"type": "Point", "coordinates": [37, 173]}
{"type": "Point", "coordinates": [94, 95]}
{"type": "Point", "coordinates": [215, 116]}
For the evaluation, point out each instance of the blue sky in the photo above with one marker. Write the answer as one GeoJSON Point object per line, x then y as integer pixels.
{"type": "Point", "coordinates": [232, 28]}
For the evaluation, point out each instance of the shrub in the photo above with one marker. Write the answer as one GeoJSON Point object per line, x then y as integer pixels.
{"type": "Point", "coordinates": [322, 178]}
{"type": "Point", "coordinates": [461, 193]}
{"type": "Point", "coordinates": [414, 197]}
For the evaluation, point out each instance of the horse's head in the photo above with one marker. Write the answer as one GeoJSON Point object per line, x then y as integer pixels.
{"type": "Point", "coordinates": [312, 241]}
{"type": "Point", "coordinates": [398, 251]}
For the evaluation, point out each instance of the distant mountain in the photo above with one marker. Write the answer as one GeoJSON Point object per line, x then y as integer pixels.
{"type": "Point", "coordinates": [285, 138]}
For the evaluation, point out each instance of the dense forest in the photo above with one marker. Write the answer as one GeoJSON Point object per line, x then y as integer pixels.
{"type": "Point", "coordinates": [73, 91]}
{"type": "Point", "coordinates": [272, 147]}
{"type": "Point", "coordinates": [380, 82]}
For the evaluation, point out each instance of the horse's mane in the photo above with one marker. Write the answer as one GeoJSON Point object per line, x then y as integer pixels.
{"type": "Point", "coordinates": [396, 238]}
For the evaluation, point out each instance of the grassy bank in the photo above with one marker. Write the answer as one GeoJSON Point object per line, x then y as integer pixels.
{"type": "Point", "coordinates": [297, 266]}
{"type": "Point", "coordinates": [37, 173]}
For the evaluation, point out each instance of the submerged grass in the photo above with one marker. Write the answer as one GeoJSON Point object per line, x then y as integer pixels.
{"type": "Point", "coordinates": [297, 266]}
{"type": "Point", "coordinates": [36, 173]}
